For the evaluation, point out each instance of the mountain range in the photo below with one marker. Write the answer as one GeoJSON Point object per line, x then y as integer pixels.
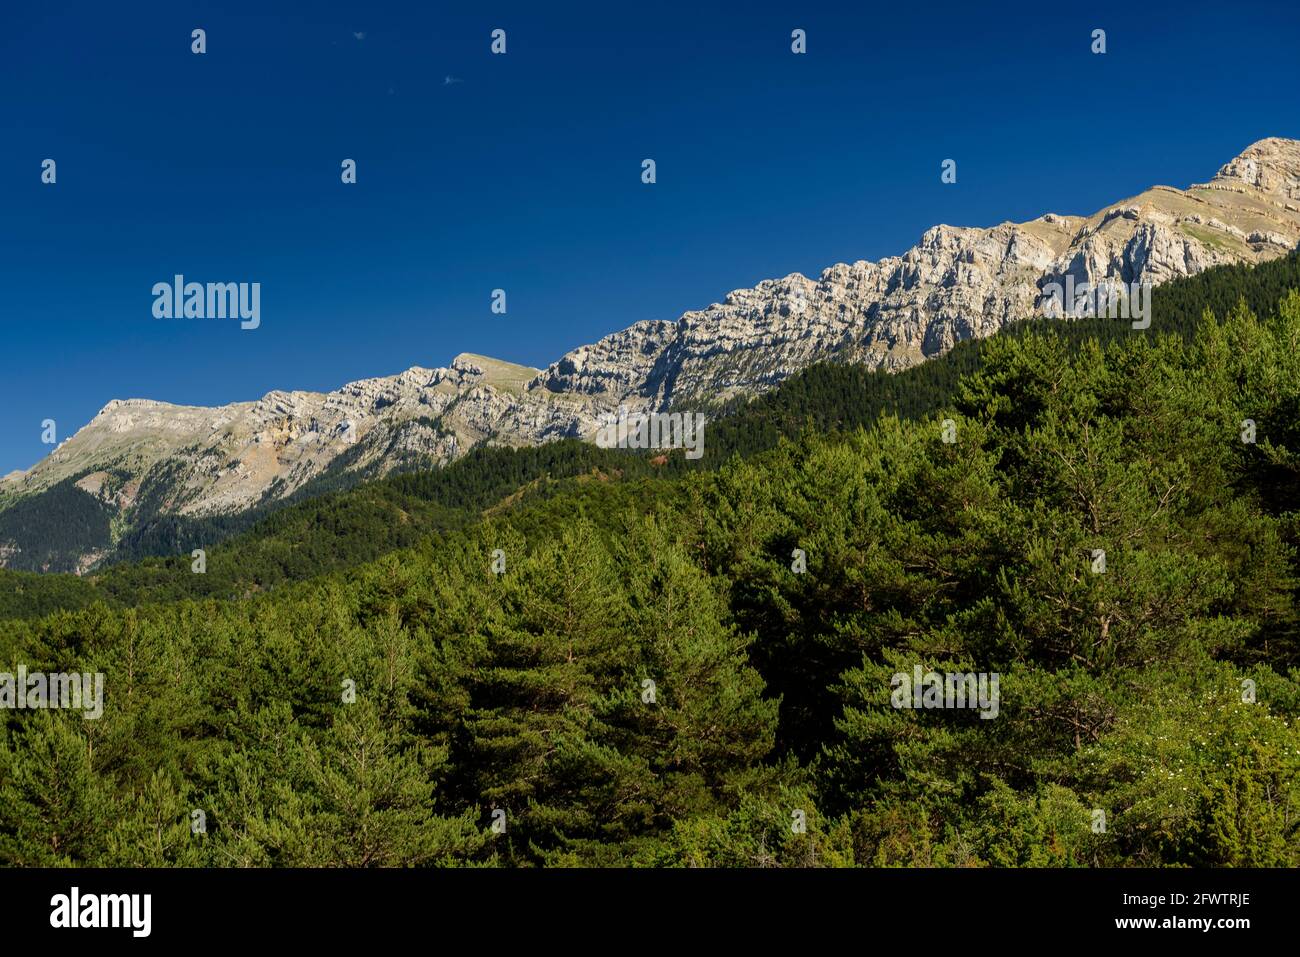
{"type": "Point", "coordinates": [140, 458]}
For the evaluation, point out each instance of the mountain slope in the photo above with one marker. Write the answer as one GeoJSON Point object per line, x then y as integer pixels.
{"type": "Point", "coordinates": [258, 549]}
{"type": "Point", "coordinates": [138, 460]}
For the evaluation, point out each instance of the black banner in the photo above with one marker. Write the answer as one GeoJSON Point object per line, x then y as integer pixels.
{"type": "Point", "coordinates": [331, 908]}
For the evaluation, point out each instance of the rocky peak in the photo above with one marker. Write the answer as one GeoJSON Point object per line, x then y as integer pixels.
{"type": "Point", "coordinates": [1271, 165]}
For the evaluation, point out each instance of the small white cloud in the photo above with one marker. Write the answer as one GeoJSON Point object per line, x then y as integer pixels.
{"type": "Point", "coordinates": [451, 79]}
{"type": "Point", "coordinates": [359, 36]}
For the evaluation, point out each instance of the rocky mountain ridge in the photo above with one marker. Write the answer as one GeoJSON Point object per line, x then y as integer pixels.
{"type": "Point", "coordinates": [956, 283]}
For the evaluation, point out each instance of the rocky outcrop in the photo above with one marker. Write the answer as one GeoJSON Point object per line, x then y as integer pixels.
{"type": "Point", "coordinates": [956, 283]}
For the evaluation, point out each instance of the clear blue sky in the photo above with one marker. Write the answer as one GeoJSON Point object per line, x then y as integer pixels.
{"type": "Point", "coordinates": [526, 175]}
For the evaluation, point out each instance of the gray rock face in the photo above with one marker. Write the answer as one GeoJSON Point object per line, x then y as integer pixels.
{"type": "Point", "coordinates": [956, 283]}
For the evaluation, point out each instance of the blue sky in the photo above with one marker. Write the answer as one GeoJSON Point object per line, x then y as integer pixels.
{"type": "Point", "coordinates": [526, 175]}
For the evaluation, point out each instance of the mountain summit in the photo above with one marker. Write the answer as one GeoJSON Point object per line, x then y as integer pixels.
{"type": "Point", "coordinates": [956, 283]}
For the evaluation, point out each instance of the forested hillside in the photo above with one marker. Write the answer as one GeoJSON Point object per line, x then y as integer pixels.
{"type": "Point", "coordinates": [696, 667]}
